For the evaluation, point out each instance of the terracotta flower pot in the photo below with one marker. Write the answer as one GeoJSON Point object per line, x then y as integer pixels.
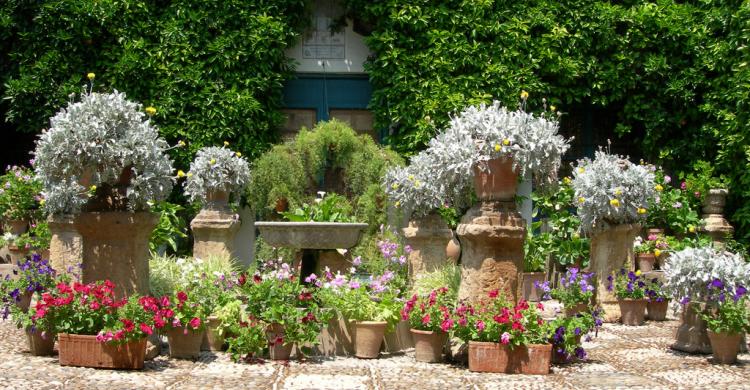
{"type": "Point", "coordinates": [282, 205]}
{"type": "Point", "coordinates": [184, 345]}
{"type": "Point", "coordinates": [453, 249]}
{"type": "Point", "coordinates": [368, 337]}
{"type": "Point", "coordinates": [38, 345]}
{"type": "Point", "coordinates": [489, 357]}
{"type": "Point", "coordinates": [645, 261]}
{"type": "Point", "coordinates": [571, 311]}
{"type": "Point", "coordinates": [86, 351]}
{"type": "Point", "coordinates": [25, 301]}
{"type": "Point", "coordinates": [532, 359]}
{"type": "Point", "coordinates": [725, 346]}
{"type": "Point", "coordinates": [278, 350]}
{"type": "Point", "coordinates": [497, 180]}
{"type": "Point", "coordinates": [428, 345]}
{"type": "Point", "coordinates": [657, 311]}
{"type": "Point", "coordinates": [530, 292]}
{"type": "Point", "coordinates": [212, 340]}
{"type": "Point", "coordinates": [655, 231]}
{"type": "Point", "coordinates": [633, 311]}
{"type": "Point", "coordinates": [16, 226]}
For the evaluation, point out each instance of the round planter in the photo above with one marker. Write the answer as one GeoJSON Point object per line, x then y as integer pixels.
{"type": "Point", "coordinates": [368, 338]}
{"type": "Point", "coordinates": [645, 261]}
{"type": "Point", "coordinates": [575, 309]}
{"type": "Point", "coordinates": [86, 351]}
{"type": "Point", "coordinates": [453, 249]}
{"type": "Point", "coordinates": [657, 311]}
{"type": "Point", "coordinates": [533, 359]}
{"type": "Point", "coordinates": [632, 311]}
{"type": "Point", "coordinates": [725, 346]}
{"type": "Point", "coordinates": [16, 226]}
{"type": "Point", "coordinates": [496, 180]}
{"type": "Point", "coordinates": [655, 231]}
{"type": "Point", "coordinates": [428, 345]}
{"type": "Point", "coordinates": [184, 345]}
{"type": "Point", "coordinates": [488, 357]}
{"type": "Point", "coordinates": [38, 345]}
{"type": "Point", "coordinates": [530, 292]}
{"type": "Point", "coordinates": [278, 350]}
{"type": "Point", "coordinates": [429, 237]}
{"type": "Point", "coordinates": [714, 201]}
{"type": "Point", "coordinates": [212, 340]}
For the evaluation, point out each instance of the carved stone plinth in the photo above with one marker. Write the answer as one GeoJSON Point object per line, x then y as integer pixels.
{"type": "Point", "coordinates": [610, 250]}
{"type": "Point", "coordinates": [115, 247]}
{"type": "Point", "coordinates": [492, 234]}
{"type": "Point", "coordinates": [428, 237]}
{"type": "Point", "coordinates": [66, 246]}
{"type": "Point", "coordinates": [213, 233]}
{"type": "Point", "coordinates": [692, 335]}
{"type": "Point", "coordinates": [715, 225]}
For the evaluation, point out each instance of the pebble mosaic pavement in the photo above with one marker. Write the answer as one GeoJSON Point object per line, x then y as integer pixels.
{"type": "Point", "coordinates": [620, 357]}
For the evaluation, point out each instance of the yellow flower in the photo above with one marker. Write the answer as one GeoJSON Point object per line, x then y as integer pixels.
{"type": "Point", "coordinates": [576, 236]}
{"type": "Point", "coordinates": [213, 161]}
{"type": "Point", "coordinates": [581, 199]}
{"type": "Point", "coordinates": [657, 252]}
{"type": "Point", "coordinates": [618, 192]}
{"type": "Point", "coordinates": [659, 188]}
{"type": "Point", "coordinates": [180, 143]}
{"type": "Point", "coordinates": [180, 173]}
{"type": "Point", "coordinates": [638, 273]}
{"type": "Point", "coordinates": [398, 203]}
{"type": "Point", "coordinates": [92, 188]}
{"type": "Point", "coordinates": [394, 186]}
{"type": "Point", "coordinates": [552, 108]}
{"type": "Point", "coordinates": [524, 95]}
{"type": "Point", "coordinates": [691, 229]}
{"type": "Point", "coordinates": [42, 201]}
{"type": "Point", "coordinates": [411, 177]}
{"type": "Point", "coordinates": [189, 174]}
{"type": "Point", "coordinates": [615, 202]}
{"type": "Point", "coordinates": [641, 210]}
{"type": "Point", "coordinates": [417, 184]}
{"type": "Point", "coordinates": [506, 142]}
{"type": "Point", "coordinates": [238, 154]}
{"type": "Point", "coordinates": [150, 110]}
{"type": "Point", "coordinates": [497, 147]}
{"type": "Point", "coordinates": [90, 76]}
{"type": "Point", "coordinates": [566, 180]}
{"type": "Point", "coordinates": [226, 143]}
{"type": "Point", "coordinates": [581, 170]}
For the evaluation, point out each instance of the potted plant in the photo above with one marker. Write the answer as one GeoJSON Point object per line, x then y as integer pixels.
{"type": "Point", "coordinates": [430, 318]}
{"type": "Point", "coordinates": [630, 289]}
{"type": "Point", "coordinates": [566, 336]}
{"type": "Point", "coordinates": [658, 300]}
{"type": "Point", "coordinates": [19, 199]}
{"type": "Point", "coordinates": [575, 291]}
{"type": "Point", "coordinates": [183, 320]}
{"type": "Point", "coordinates": [648, 251]}
{"type": "Point", "coordinates": [33, 274]}
{"type": "Point", "coordinates": [276, 297]}
{"type": "Point", "coordinates": [534, 260]}
{"type": "Point", "coordinates": [219, 325]}
{"type": "Point", "coordinates": [94, 329]}
{"type": "Point", "coordinates": [102, 160]}
{"type": "Point", "coordinates": [674, 210]}
{"type": "Point", "coordinates": [726, 317]}
{"type": "Point", "coordinates": [686, 274]}
{"type": "Point", "coordinates": [40, 333]}
{"type": "Point", "coordinates": [246, 339]}
{"type": "Point", "coordinates": [216, 175]}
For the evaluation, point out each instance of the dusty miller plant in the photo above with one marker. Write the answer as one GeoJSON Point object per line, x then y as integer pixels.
{"type": "Point", "coordinates": [610, 190]}
{"type": "Point", "coordinates": [689, 272]}
{"type": "Point", "coordinates": [102, 146]}
{"type": "Point", "coordinates": [216, 169]}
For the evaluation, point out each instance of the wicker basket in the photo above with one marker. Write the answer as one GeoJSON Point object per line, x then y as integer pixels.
{"type": "Point", "coordinates": [86, 351]}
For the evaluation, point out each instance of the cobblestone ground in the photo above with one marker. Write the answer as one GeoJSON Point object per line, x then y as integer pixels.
{"type": "Point", "coordinates": [620, 357]}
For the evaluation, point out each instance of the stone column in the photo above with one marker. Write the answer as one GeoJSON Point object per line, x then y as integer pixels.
{"type": "Point", "coordinates": [214, 228]}
{"type": "Point", "coordinates": [611, 249]}
{"type": "Point", "coordinates": [428, 237]}
{"type": "Point", "coordinates": [692, 335]}
{"type": "Point", "coordinates": [65, 247]}
{"type": "Point", "coordinates": [492, 234]}
{"type": "Point", "coordinates": [115, 247]}
{"type": "Point", "coordinates": [716, 225]}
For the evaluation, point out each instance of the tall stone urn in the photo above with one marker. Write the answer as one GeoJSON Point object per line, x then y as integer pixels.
{"type": "Point", "coordinates": [428, 237]}
{"type": "Point", "coordinates": [715, 225]}
{"type": "Point", "coordinates": [66, 246]}
{"type": "Point", "coordinates": [692, 334]}
{"type": "Point", "coordinates": [610, 250]}
{"type": "Point", "coordinates": [115, 247]}
{"type": "Point", "coordinates": [492, 234]}
{"type": "Point", "coordinates": [214, 227]}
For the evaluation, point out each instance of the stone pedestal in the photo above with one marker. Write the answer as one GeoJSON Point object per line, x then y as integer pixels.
{"type": "Point", "coordinates": [65, 247]}
{"type": "Point", "coordinates": [610, 250]}
{"type": "Point", "coordinates": [692, 335]}
{"type": "Point", "coordinates": [492, 234]}
{"type": "Point", "coordinates": [428, 237]}
{"type": "Point", "coordinates": [115, 247]}
{"type": "Point", "coordinates": [715, 225]}
{"type": "Point", "coordinates": [214, 228]}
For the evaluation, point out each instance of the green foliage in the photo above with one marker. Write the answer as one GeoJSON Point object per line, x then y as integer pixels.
{"type": "Point", "coordinates": [536, 251]}
{"type": "Point", "coordinates": [331, 208]}
{"type": "Point", "coordinates": [20, 194]}
{"type": "Point", "coordinates": [674, 209]}
{"type": "Point", "coordinates": [171, 229]}
{"type": "Point", "coordinates": [37, 237]}
{"type": "Point", "coordinates": [212, 69]}
{"type": "Point", "coordinates": [557, 231]}
{"type": "Point", "coordinates": [728, 316]}
{"type": "Point", "coordinates": [703, 178]}
{"type": "Point", "coordinates": [448, 275]}
{"type": "Point", "coordinates": [247, 340]}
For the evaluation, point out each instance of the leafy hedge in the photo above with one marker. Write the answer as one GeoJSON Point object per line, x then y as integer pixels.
{"type": "Point", "coordinates": [212, 69]}
{"type": "Point", "coordinates": [674, 71]}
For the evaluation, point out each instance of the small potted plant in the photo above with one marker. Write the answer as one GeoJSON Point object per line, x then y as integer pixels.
{"type": "Point", "coordinates": [658, 300]}
{"type": "Point", "coordinates": [630, 289]}
{"type": "Point", "coordinates": [567, 333]}
{"type": "Point", "coordinates": [726, 316]}
{"type": "Point", "coordinates": [648, 251]}
{"type": "Point", "coordinates": [246, 339]}
{"type": "Point", "coordinates": [430, 318]}
{"type": "Point", "coordinates": [183, 320]}
{"type": "Point", "coordinates": [574, 292]}
{"type": "Point", "coordinates": [40, 333]}
{"type": "Point", "coordinates": [34, 274]}
{"type": "Point", "coordinates": [19, 199]}
{"type": "Point", "coordinates": [535, 258]}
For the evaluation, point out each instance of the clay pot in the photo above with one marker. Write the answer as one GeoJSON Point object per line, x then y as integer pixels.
{"type": "Point", "coordinates": [655, 231]}
{"type": "Point", "coordinates": [714, 201]}
{"type": "Point", "coordinates": [368, 337]}
{"type": "Point", "coordinates": [16, 226]}
{"type": "Point", "coordinates": [530, 292]}
{"type": "Point", "coordinates": [725, 346]}
{"type": "Point", "coordinates": [184, 345]}
{"type": "Point", "coordinates": [496, 180]}
{"type": "Point", "coordinates": [212, 340]}
{"type": "Point", "coordinates": [87, 351]}
{"type": "Point", "coordinates": [282, 205]}
{"type": "Point", "coordinates": [278, 350]}
{"type": "Point", "coordinates": [632, 311]}
{"type": "Point", "coordinates": [532, 359]}
{"type": "Point", "coordinates": [575, 309]}
{"type": "Point", "coordinates": [645, 261]}
{"type": "Point", "coordinates": [428, 345]}
{"type": "Point", "coordinates": [453, 249]}
{"type": "Point", "coordinates": [216, 200]}
{"type": "Point", "coordinates": [657, 311]}
{"type": "Point", "coordinates": [38, 345]}
{"type": "Point", "coordinates": [488, 357]}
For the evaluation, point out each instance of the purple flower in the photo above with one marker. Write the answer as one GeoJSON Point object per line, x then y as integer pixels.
{"type": "Point", "coordinates": [717, 283]}
{"type": "Point", "coordinates": [577, 331]}
{"type": "Point", "coordinates": [677, 205]}
{"type": "Point", "coordinates": [311, 278]}
{"type": "Point", "coordinates": [353, 284]}
{"type": "Point", "coordinates": [580, 353]}
{"type": "Point", "coordinates": [684, 300]}
{"type": "Point", "coordinates": [683, 186]}
{"type": "Point", "coordinates": [357, 261]}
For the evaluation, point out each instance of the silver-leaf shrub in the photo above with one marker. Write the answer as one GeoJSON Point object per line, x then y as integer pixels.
{"type": "Point", "coordinates": [689, 272]}
{"type": "Point", "coordinates": [92, 143]}
{"type": "Point", "coordinates": [610, 190]}
{"type": "Point", "coordinates": [216, 169]}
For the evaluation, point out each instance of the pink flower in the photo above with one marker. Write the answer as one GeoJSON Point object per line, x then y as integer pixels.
{"type": "Point", "coordinates": [505, 338]}
{"type": "Point", "coordinates": [195, 323]}
{"type": "Point", "coordinates": [683, 185]}
{"type": "Point", "coordinates": [446, 325]}
{"type": "Point", "coordinates": [164, 301]}
{"type": "Point", "coordinates": [493, 293]}
{"type": "Point", "coordinates": [181, 296]}
{"type": "Point", "coordinates": [480, 325]}
{"type": "Point", "coordinates": [426, 319]}
{"type": "Point", "coordinates": [146, 329]}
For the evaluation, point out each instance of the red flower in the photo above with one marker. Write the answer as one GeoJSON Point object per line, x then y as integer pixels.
{"type": "Point", "coordinates": [165, 301]}
{"type": "Point", "coordinates": [40, 312]}
{"type": "Point", "coordinates": [168, 313]}
{"type": "Point", "coordinates": [242, 279]}
{"type": "Point", "coordinates": [159, 322]}
{"type": "Point", "coordinates": [119, 335]}
{"type": "Point", "coordinates": [446, 325]}
{"type": "Point", "coordinates": [426, 319]}
{"type": "Point", "coordinates": [129, 325]}
{"type": "Point", "coordinates": [305, 296]}
{"type": "Point", "coordinates": [517, 326]}
{"type": "Point", "coordinates": [181, 296]}
{"type": "Point", "coordinates": [146, 329]}
{"type": "Point", "coordinates": [540, 306]}
{"type": "Point", "coordinates": [94, 305]}
{"type": "Point", "coordinates": [493, 293]}
{"type": "Point", "coordinates": [501, 319]}
{"type": "Point", "coordinates": [195, 323]}
{"type": "Point", "coordinates": [257, 279]}
{"type": "Point", "coordinates": [308, 318]}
